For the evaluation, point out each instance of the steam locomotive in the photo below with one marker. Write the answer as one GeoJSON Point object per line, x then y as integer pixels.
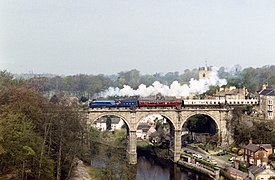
{"type": "Point", "coordinates": [170, 103]}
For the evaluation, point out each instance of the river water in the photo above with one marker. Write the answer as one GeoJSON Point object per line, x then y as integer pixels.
{"type": "Point", "coordinates": [158, 169]}
{"type": "Point", "coordinates": [147, 168]}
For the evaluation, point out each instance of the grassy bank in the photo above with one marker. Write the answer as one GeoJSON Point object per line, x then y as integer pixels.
{"type": "Point", "coordinates": [93, 172]}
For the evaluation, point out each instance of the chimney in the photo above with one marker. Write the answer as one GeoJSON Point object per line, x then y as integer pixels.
{"type": "Point", "coordinates": [250, 141]}
{"type": "Point", "coordinates": [265, 85]}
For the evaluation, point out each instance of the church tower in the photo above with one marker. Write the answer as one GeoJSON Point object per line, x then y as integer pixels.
{"type": "Point", "coordinates": [204, 71]}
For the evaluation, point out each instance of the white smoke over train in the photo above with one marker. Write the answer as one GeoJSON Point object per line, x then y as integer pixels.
{"type": "Point", "coordinates": [175, 89]}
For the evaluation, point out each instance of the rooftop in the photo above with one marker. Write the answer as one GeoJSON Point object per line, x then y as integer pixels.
{"type": "Point", "coordinates": [269, 91]}
{"type": "Point", "coordinates": [256, 147]}
{"type": "Point", "coordinates": [256, 169]}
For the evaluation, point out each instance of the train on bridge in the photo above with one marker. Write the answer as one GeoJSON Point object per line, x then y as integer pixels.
{"type": "Point", "coordinates": [171, 103]}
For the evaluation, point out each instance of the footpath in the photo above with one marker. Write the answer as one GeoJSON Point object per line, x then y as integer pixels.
{"type": "Point", "coordinates": [80, 172]}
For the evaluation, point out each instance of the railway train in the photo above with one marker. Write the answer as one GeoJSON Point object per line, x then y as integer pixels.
{"type": "Point", "coordinates": [170, 103]}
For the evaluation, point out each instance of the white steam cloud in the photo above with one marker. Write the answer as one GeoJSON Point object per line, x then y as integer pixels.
{"type": "Point", "coordinates": [175, 89]}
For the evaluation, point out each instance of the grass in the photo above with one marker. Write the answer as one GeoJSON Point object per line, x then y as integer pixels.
{"type": "Point", "coordinates": [224, 157]}
{"type": "Point", "coordinates": [142, 143]}
{"type": "Point", "coordinates": [93, 172]}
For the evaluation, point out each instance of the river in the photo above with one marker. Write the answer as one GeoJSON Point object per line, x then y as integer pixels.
{"type": "Point", "coordinates": [147, 168]}
{"type": "Point", "coordinates": [158, 169]}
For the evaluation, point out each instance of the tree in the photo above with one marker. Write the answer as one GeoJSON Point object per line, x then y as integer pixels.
{"type": "Point", "coordinates": [271, 80]}
{"type": "Point", "coordinates": [38, 138]}
{"type": "Point", "coordinates": [39, 83]}
{"type": "Point", "coordinates": [170, 77]}
{"type": "Point", "coordinates": [212, 90]}
{"type": "Point", "coordinates": [7, 80]}
{"type": "Point", "coordinates": [22, 148]}
{"type": "Point", "coordinates": [130, 78]}
{"type": "Point", "coordinates": [248, 80]}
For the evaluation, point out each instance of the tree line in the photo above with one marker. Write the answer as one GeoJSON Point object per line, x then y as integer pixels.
{"type": "Point", "coordinates": [39, 139]}
{"type": "Point", "coordinates": [82, 85]}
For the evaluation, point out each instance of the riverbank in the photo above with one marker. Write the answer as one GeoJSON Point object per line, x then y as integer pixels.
{"type": "Point", "coordinates": [193, 165]}
{"type": "Point", "coordinates": [152, 162]}
{"type": "Point", "coordinates": [80, 171]}
{"type": "Point", "coordinates": [152, 151]}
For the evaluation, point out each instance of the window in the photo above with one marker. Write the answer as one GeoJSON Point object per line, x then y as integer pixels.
{"type": "Point", "coordinates": [270, 107]}
{"type": "Point", "coordinates": [270, 102]}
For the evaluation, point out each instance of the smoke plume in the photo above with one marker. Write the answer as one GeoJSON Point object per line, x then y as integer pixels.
{"type": "Point", "coordinates": [175, 89]}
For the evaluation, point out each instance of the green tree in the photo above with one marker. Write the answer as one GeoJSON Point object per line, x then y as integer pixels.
{"type": "Point", "coordinates": [7, 80]}
{"type": "Point", "coordinates": [131, 78]}
{"type": "Point", "coordinates": [48, 136]}
{"type": "Point", "coordinates": [212, 90]}
{"type": "Point", "coordinates": [248, 80]}
{"type": "Point", "coordinates": [271, 80]}
{"type": "Point", "coordinates": [21, 148]}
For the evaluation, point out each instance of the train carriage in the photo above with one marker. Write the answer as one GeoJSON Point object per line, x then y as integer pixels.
{"type": "Point", "coordinates": [156, 103]}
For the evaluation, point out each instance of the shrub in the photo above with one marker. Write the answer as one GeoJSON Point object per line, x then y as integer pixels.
{"type": "Point", "coordinates": [243, 168]}
{"type": "Point", "coordinates": [234, 150]}
{"type": "Point", "coordinates": [241, 152]}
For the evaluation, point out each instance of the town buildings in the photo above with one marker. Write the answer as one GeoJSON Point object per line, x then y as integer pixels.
{"type": "Point", "coordinates": [257, 154]}
{"type": "Point", "coordinates": [231, 92]}
{"type": "Point", "coordinates": [267, 100]}
{"type": "Point", "coordinates": [115, 124]}
{"type": "Point", "coordinates": [260, 172]}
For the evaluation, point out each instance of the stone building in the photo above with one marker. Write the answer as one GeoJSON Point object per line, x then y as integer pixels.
{"type": "Point", "coordinates": [204, 72]}
{"type": "Point", "coordinates": [267, 100]}
{"type": "Point", "coordinates": [230, 92]}
{"type": "Point", "coordinates": [260, 172]}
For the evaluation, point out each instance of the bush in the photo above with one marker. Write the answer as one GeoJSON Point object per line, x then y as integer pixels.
{"type": "Point", "coordinates": [205, 163]}
{"type": "Point", "coordinates": [241, 152]}
{"type": "Point", "coordinates": [243, 168]}
{"type": "Point", "coordinates": [234, 150]}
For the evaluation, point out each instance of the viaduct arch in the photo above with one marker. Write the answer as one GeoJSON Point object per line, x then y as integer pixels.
{"type": "Point", "coordinates": [177, 117]}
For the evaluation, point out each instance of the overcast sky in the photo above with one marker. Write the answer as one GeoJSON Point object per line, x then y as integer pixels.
{"type": "Point", "coordinates": [109, 36]}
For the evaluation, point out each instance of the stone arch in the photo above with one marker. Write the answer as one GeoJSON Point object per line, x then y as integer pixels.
{"type": "Point", "coordinates": [205, 114]}
{"type": "Point", "coordinates": [216, 119]}
{"type": "Point", "coordinates": [113, 114]}
{"type": "Point", "coordinates": [152, 113]}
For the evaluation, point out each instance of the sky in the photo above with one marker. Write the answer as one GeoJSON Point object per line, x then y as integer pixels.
{"type": "Point", "coordinates": [109, 36]}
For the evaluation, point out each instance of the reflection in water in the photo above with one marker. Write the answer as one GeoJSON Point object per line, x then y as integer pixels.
{"type": "Point", "coordinates": [157, 169]}
{"type": "Point", "coordinates": [148, 168]}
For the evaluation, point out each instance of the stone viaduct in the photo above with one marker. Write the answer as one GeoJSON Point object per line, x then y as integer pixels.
{"type": "Point", "coordinates": [176, 118]}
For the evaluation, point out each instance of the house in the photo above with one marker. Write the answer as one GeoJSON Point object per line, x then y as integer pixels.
{"type": "Point", "coordinates": [116, 123]}
{"type": "Point", "coordinates": [257, 154]}
{"type": "Point", "coordinates": [142, 130]}
{"type": "Point", "coordinates": [260, 172]}
{"type": "Point", "coordinates": [230, 93]}
{"type": "Point", "coordinates": [267, 100]}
